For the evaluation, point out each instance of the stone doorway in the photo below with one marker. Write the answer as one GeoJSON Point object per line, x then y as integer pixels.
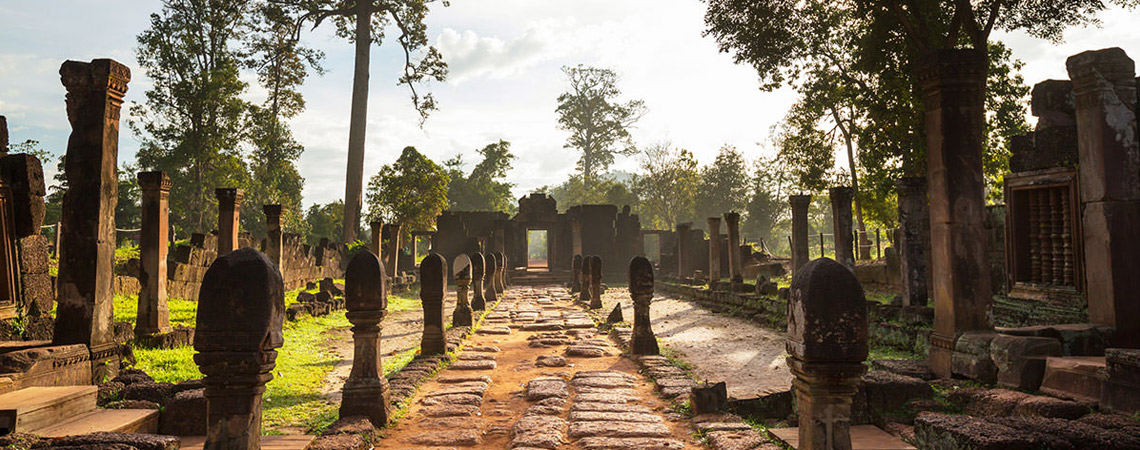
{"type": "Point", "coordinates": [537, 249]}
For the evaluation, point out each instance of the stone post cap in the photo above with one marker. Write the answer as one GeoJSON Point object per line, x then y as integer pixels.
{"type": "Point", "coordinates": [155, 180]}
{"type": "Point", "coordinates": [364, 283]}
{"type": "Point", "coordinates": [241, 309]}
{"type": "Point", "coordinates": [477, 266]}
{"type": "Point", "coordinates": [98, 74]}
{"type": "Point", "coordinates": [586, 260]}
{"type": "Point", "coordinates": [273, 210]}
{"type": "Point", "coordinates": [461, 267]}
{"type": "Point", "coordinates": [596, 266]}
{"type": "Point", "coordinates": [1111, 63]}
{"type": "Point", "coordinates": [433, 279]}
{"type": "Point", "coordinates": [577, 259]}
{"type": "Point", "coordinates": [640, 276]}
{"type": "Point", "coordinates": [827, 314]}
{"type": "Point", "coordinates": [952, 66]}
{"type": "Point", "coordinates": [841, 193]}
{"type": "Point", "coordinates": [799, 201]}
{"type": "Point", "coordinates": [229, 194]}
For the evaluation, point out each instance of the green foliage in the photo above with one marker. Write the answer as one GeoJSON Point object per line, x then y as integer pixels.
{"type": "Point", "coordinates": [597, 122]}
{"type": "Point", "coordinates": [768, 207]}
{"type": "Point", "coordinates": [325, 221]}
{"type": "Point", "coordinates": [128, 210]}
{"type": "Point", "coordinates": [606, 189]}
{"type": "Point", "coordinates": [482, 189]}
{"type": "Point", "coordinates": [410, 192]}
{"type": "Point", "coordinates": [668, 186]}
{"type": "Point", "coordinates": [724, 186]}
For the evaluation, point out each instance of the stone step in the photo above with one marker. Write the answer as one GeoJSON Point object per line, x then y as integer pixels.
{"type": "Point", "coordinates": [1079, 378]}
{"type": "Point", "coordinates": [113, 420]}
{"type": "Point", "coordinates": [37, 407]}
{"type": "Point", "coordinates": [863, 437]}
{"type": "Point", "coordinates": [267, 442]}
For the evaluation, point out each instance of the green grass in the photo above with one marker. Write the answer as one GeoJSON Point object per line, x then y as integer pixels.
{"type": "Point", "coordinates": [404, 301]}
{"type": "Point", "coordinates": [884, 352]}
{"type": "Point", "coordinates": [881, 297]}
{"type": "Point", "coordinates": [182, 312]}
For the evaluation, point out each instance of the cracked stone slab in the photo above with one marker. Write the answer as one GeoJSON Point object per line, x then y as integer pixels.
{"type": "Point", "coordinates": [474, 356]}
{"type": "Point", "coordinates": [603, 382]}
{"type": "Point", "coordinates": [450, 410]}
{"type": "Point", "coordinates": [587, 416]}
{"type": "Point", "coordinates": [618, 429]}
{"type": "Point", "coordinates": [473, 365]}
{"type": "Point", "coordinates": [550, 361]}
{"type": "Point", "coordinates": [471, 388]}
{"type": "Point", "coordinates": [593, 443]}
{"type": "Point", "coordinates": [457, 379]}
{"type": "Point", "coordinates": [453, 399]}
{"type": "Point", "coordinates": [484, 349]}
{"type": "Point", "coordinates": [542, 326]}
{"type": "Point", "coordinates": [603, 398]}
{"type": "Point", "coordinates": [586, 351]}
{"type": "Point", "coordinates": [608, 407]}
{"type": "Point", "coordinates": [538, 431]}
{"type": "Point", "coordinates": [541, 388]}
{"type": "Point", "coordinates": [731, 440]}
{"type": "Point", "coordinates": [449, 438]}
{"type": "Point", "coordinates": [494, 330]}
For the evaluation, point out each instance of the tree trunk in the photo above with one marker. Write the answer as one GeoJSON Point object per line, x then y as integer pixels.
{"type": "Point", "coordinates": [862, 243]}
{"type": "Point", "coordinates": [354, 178]}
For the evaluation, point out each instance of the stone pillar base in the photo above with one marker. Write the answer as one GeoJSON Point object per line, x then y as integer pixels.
{"type": "Point", "coordinates": [644, 344]}
{"type": "Point", "coordinates": [367, 398]}
{"type": "Point", "coordinates": [462, 317]}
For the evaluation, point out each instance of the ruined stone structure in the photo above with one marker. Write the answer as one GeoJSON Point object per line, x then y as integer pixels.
{"type": "Point", "coordinates": [827, 344]}
{"type": "Point", "coordinates": [237, 352]}
{"type": "Point", "coordinates": [953, 86]}
{"type": "Point", "coordinates": [461, 268]}
{"type": "Point", "coordinates": [714, 248]}
{"type": "Point", "coordinates": [585, 275]}
{"type": "Point", "coordinates": [799, 205]}
{"type": "Point", "coordinates": [366, 390]}
{"type": "Point", "coordinates": [841, 225]}
{"type": "Point", "coordinates": [229, 219]}
{"type": "Point", "coordinates": [914, 242]}
{"type": "Point", "coordinates": [153, 312]}
{"type": "Point", "coordinates": [433, 285]}
{"type": "Point", "coordinates": [684, 252]}
{"type": "Point", "coordinates": [25, 285]}
{"type": "Point", "coordinates": [94, 96]}
{"type": "Point", "coordinates": [273, 236]}
{"type": "Point", "coordinates": [576, 275]}
{"type": "Point", "coordinates": [735, 261]}
{"type": "Point", "coordinates": [641, 291]}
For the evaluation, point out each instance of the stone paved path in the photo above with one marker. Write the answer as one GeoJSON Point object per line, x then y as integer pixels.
{"type": "Point", "coordinates": [537, 375]}
{"type": "Point", "coordinates": [749, 357]}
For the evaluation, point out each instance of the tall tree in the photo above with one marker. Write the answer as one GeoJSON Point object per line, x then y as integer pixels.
{"type": "Point", "coordinates": [598, 123]}
{"type": "Point", "coordinates": [364, 22]}
{"type": "Point", "coordinates": [192, 122]}
{"type": "Point", "coordinates": [668, 185]}
{"type": "Point", "coordinates": [483, 189]}
{"type": "Point", "coordinates": [724, 185]}
{"type": "Point", "coordinates": [410, 192]}
{"type": "Point", "coordinates": [768, 204]}
{"type": "Point", "coordinates": [325, 221]}
{"type": "Point", "coordinates": [281, 65]}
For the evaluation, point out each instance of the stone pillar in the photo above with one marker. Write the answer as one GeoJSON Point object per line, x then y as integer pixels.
{"type": "Point", "coordinates": [461, 268]}
{"type": "Point", "coordinates": [366, 390]}
{"type": "Point", "coordinates": [433, 284]}
{"type": "Point", "coordinates": [683, 269]}
{"type": "Point", "coordinates": [153, 312]}
{"type": "Point", "coordinates": [3, 134]}
{"type": "Point", "coordinates": [641, 291]}
{"type": "Point", "coordinates": [953, 87]}
{"type": "Point", "coordinates": [502, 257]}
{"type": "Point", "coordinates": [478, 302]}
{"type": "Point", "coordinates": [490, 295]}
{"type": "Point", "coordinates": [393, 250]}
{"type": "Point", "coordinates": [377, 238]}
{"type": "Point", "coordinates": [229, 218]}
{"type": "Point", "coordinates": [87, 249]}
{"type": "Point", "coordinates": [237, 352]}
{"type": "Point", "coordinates": [827, 343]}
{"type": "Point", "coordinates": [732, 223]}
{"type": "Point", "coordinates": [914, 245]}
{"type": "Point", "coordinates": [273, 234]}
{"type": "Point", "coordinates": [584, 275]}
{"type": "Point", "coordinates": [595, 282]}
{"type": "Point", "coordinates": [576, 274]}
{"type": "Point", "coordinates": [800, 250]}
{"type": "Point", "coordinates": [841, 225]}
{"type": "Point", "coordinates": [714, 250]}
{"type": "Point", "coordinates": [1104, 90]}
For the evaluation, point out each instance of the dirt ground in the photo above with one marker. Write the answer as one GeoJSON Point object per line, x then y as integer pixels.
{"type": "Point", "coordinates": [750, 358]}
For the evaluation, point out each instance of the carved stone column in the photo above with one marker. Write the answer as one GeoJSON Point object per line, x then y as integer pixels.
{"type": "Point", "coordinates": [641, 290]}
{"type": "Point", "coordinates": [827, 344]}
{"type": "Point", "coordinates": [87, 245]}
{"type": "Point", "coordinates": [953, 88]}
{"type": "Point", "coordinates": [800, 251]}
{"type": "Point", "coordinates": [914, 247]}
{"type": "Point", "coordinates": [366, 391]}
{"type": "Point", "coordinates": [237, 352]}
{"type": "Point", "coordinates": [462, 316]}
{"type": "Point", "coordinates": [377, 238]}
{"type": "Point", "coordinates": [841, 225]}
{"type": "Point", "coordinates": [153, 312]}
{"type": "Point", "coordinates": [229, 218]}
{"type": "Point", "coordinates": [576, 275]}
{"type": "Point", "coordinates": [433, 284]}
{"type": "Point", "coordinates": [490, 295]}
{"type": "Point", "coordinates": [478, 302]}
{"type": "Point", "coordinates": [595, 282]}
{"type": "Point", "coordinates": [735, 265]}
{"type": "Point", "coordinates": [1104, 89]}
{"type": "Point", "coordinates": [273, 233]}
{"type": "Point", "coordinates": [584, 297]}
{"type": "Point", "coordinates": [714, 249]}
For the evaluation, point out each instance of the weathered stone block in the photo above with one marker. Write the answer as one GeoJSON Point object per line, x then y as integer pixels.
{"type": "Point", "coordinates": [1020, 360]}
{"type": "Point", "coordinates": [25, 176]}
{"type": "Point", "coordinates": [1077, 377]}
{"type": "Point", "coordinates": [971, 357]}
{"type": "Point", "coordinates": [940, 431]}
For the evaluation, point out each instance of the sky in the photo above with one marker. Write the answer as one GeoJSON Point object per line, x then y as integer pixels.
{"type": "Point", "coordinates": [505, 59]}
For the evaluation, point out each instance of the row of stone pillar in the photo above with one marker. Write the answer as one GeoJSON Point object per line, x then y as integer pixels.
{"type": "Point", "coordinates": [735, 261]}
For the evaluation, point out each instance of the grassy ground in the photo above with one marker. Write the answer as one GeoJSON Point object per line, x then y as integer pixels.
{"type": "Point", "coordinates": [293, 398]}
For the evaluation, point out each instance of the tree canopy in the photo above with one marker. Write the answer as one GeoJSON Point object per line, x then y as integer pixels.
{"type": "Point", "coordinates": [598, 123]}
{"type": "Point", "coordinates": [484, 189]}
{"type": "Point", "coordinates": [410, 192]}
